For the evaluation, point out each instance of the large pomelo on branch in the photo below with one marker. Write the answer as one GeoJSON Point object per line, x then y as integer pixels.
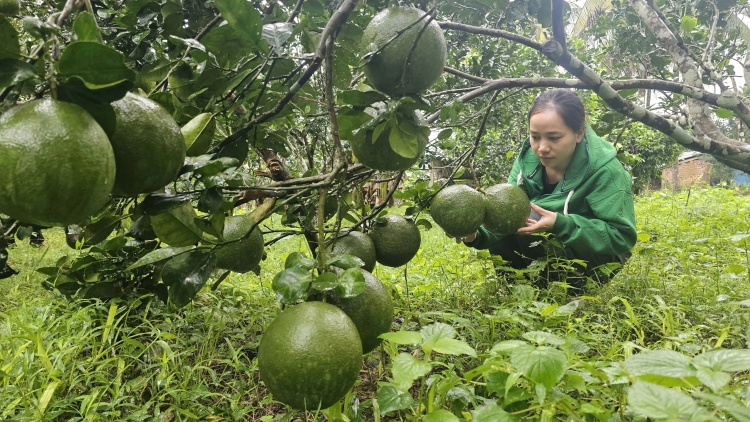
{"type": "Point", "coordinates": [310, 355]}
{"type": "Point", "coordinates": [243, 255]}
{"type": "Point", "coordinates": [149, 147]}
{"type": "Point", "coordinates": [356, 244]}
{"type": "Point", "coordinates": [371, 311]}
{"type": "Point", "coordinates": [458, 210]}
{"type": "Point", "coordinates": [56, 163]}
{"type": "Point", "coordinates": [405, 58]}
{"type": "Point", "coordinates": [506, 208]}
{"type": "Point", "coordinates": [397, 240]}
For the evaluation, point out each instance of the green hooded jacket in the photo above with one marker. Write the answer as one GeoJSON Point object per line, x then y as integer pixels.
{"type": "Point", "coordinates": [593, 200]}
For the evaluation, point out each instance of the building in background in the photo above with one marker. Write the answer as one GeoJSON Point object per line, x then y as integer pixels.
{"type": "Point", "coordinates": [690, 169]}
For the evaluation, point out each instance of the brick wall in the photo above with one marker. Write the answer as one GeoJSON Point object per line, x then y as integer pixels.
{"type": "Point", "coordinates": [691, 172]}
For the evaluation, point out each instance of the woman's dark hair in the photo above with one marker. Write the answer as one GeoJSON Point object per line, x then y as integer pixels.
{"type": "Point", "coordinates": [563, 102]}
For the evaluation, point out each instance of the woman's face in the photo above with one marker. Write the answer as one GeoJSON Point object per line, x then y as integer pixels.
{"type": "Point", "coordinates": [552, 141]}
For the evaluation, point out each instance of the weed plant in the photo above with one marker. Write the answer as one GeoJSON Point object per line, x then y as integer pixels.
{"type": "Point", "coordinates": [666, 339]}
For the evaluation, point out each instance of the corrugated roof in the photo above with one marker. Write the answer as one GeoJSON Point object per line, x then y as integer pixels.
{"type": "Point", "coordinates": [688, 154]}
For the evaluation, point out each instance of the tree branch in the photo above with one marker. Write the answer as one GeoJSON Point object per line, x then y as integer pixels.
{"type": "Point", "coordinates": [497, 33]}
{"type": "Point", "coordinates": [553, 51]}
{"type": "Point", "coordinates": [337, 20]}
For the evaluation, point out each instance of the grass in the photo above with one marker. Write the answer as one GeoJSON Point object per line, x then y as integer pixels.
{"type": "Point", "coordinates": [682, 291]}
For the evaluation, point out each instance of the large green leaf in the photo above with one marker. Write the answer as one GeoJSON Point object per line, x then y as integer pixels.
{"type": "Point", "coordinates": [199, 133]}
{"type": "Point", "coordinates": [228, 45]}
{"type": "Point", "coordinates": [402, 337]}
{"type": "Point", "coordinates": [664, 363]}
{"type": "Point", "coordinates": [9, 47]}
{"type": "Point", "coordinates": [406, 369]}
{"type": "Point", "coordinates": [98, 65]}
{"type": "Point", "coordinates": [441, 415]}
{"type": "Point", "coordinates": [727, 404]}
{"type": "Point", "coordinates": [13, 71]}
{"type": "Point", "coordinates": [655, 401]}
{"type": "Point", "coordinates": [277, 34]}
{"type": "Point", "coordinates": [725, 360]}
{"type": "Point", "coordinates": [402, 143]}
{"type": "Point", "coordinates": [159, 255]}
{"type": "Point", "coordinates": [242, 17]}
{"type": "Point", "coordinates": [292, 285]}
{"type": "Point", "coordinates": [351, 283]}
{"type": "Point", "coordinates": [451, 346]}
{"type": "Point", "coordinates": [299, 260]}
{"type": "Point", "coordinates": [491, 413]}
{"type": "Point", "coordinates": [544, 365]}
{"type": "Point", "coordinates": [85, 28]}
{"type": "Point", "coordinates": [391, 399]}
{"type": "Point", "coordinates": [186, 274]}
{"type": "Point", "coordinates": [177, 227]}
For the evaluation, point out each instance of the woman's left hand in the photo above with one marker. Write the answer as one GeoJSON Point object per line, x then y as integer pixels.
{"type": "Point", "coordinates": [544, 224]}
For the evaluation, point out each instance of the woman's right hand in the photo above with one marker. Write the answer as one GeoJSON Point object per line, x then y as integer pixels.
{"type": "Point", "coordinates": [470, 238]}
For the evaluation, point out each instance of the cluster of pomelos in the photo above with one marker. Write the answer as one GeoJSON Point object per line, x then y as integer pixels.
{"type": "Point", "coordinates": [59, 167]}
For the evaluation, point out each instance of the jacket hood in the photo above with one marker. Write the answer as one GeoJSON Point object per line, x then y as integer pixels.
{"type": "Point", "coordinates": [580, 167]}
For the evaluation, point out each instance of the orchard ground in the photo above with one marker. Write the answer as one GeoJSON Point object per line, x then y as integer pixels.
{"type": "Point", "coordinates": [686, 289]}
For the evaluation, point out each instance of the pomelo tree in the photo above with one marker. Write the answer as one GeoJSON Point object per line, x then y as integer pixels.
{"type": "Point", "coordinates": [270, 95]}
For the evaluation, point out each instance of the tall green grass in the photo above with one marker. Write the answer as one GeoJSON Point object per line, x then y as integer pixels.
{"type": "Point", "coordinates": [683, 290]}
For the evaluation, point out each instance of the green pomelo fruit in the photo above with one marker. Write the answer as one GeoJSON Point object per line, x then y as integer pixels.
{"type": "Point", "coordinates": [149, 147]}
{"type": "Point", "coordinates": [396, 240]}
{"type": "Point", "coordinates": [356, 244]}
{"type": "Point", "coordinates": [401, 68]}
{"type": "Point", "coordinates": [506, 209]}
{"type": "Point", "coordinates": [458, 210]}
{"type": "Point", "coordinates": [244, 255]}
{"type": "Point", "coordinates": [310, 355]}
{"type": "Point", "coordinates": [10, 7]}
{"type": "Point", "coordinates": [380, 155]}
{"type": "Point", "coordinates": [56, 163]}
{"type": "Point", "coordinates": [371, 311]}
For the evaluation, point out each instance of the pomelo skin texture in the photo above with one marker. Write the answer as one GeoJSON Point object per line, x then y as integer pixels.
{"type": "Point", "coordinates": [371, 311]}
{"type": "Point", "coordinates": [458, 210]}
{"type": "Point", "coordinates": [356, 244]}
{"type": "Point", "coordinates": [244, 255]}
{"type": "Point", "coordinates": [396, 241]}
{"type": "Point", "coordinates": [385, 70]}
{"type": "Point", "coordinates": [149, 147]}
{"type": "Point", "coordinates": [506, 209]}
{"type": "Point", "coordinates": [310, 356]}
{"type": "Point", "coordinates": [56, 163]}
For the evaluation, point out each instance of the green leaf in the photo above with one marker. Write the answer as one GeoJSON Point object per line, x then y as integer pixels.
{"type": "Point", "coordinates": [738, 410]}
{"type": "Point", "coordinates": [13, 71]}
{"type": "Point", "coordinates": [351, 120]}
{"type": "Point", "coordinates": [402, 143]}
{"type": "Point", "coordinates": [491, 413]}
{"type": "Point", "coordinates": [97, 65]}
{"type": "Point", "coordinates": [98, 232]}
{"type": "Point", "coordinates": [378, 131]}
{"type": "Point", "coordinates": [660, 362]}
{"type": "Point", "coordinates": [299, 260]}
{"type": "Point", "coordinates": [391, 399]}
{"type": "Point", "coordinates": [292, 285]}
{"type": "Point", "coordinates": [325, 281]}
{"type": "Point", "coordinates": [199, 133]}
{"type": "Point", "coordinates": [544, 365]}
{"type": "Point", "coordinates": [508, 346]}
{"type": "Point", "coordinates": [724, 113]}
{"type": "Point", "coordinates": [451, 346]}
{"type": "Point", "coordinates": [9, 46]}
{"type": "Point", "coordinates": [441, 415]}
{"type": "Point", "coordinates": [655, 401]}
{"type": "Point", "coordinates": [436, 331]}
{"type": "Point", "coordinates": [103, 290]}
{"type": "Point", "coordinates": [715, 380]}
{"type": "Point", "coordinates": [402, 337]}
{"type": "Point", "coordinates": [159, 255]}
{"type": "Point", "coordinates": [351, 283]}
{"type": "Point", "coordinates": [176, 227]}
{"type": "Point", "coordinates": [345, 261]}
{"type": "Point", "coordinates": [242, 17]}
{"type": "Point", "coordinates": [85, 28]}
{"type": "Point", "coordinates": [689, 23]}
{"type": "Point", "coordinates": [406, 369]}
{"type": "Point", "coordinates": [734, 360]}
{"type": "Point", "coordinates": [542, 337]}
{"type": "Point", "coordinates": [157, 203]}
{"type": "Point", "coordinates": [228, 45]}
{"type": "Point", "coordinates": [359, 98]}
{"type": "Point", "coordinates": [39, 29]}
{"type": "Point", "coordinates": [277, 34]}
{"type": "Point", "coordinates": [186, 274]}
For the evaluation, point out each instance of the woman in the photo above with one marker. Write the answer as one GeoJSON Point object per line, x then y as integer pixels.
{"type": "Point", "coordinates": [581, 194]}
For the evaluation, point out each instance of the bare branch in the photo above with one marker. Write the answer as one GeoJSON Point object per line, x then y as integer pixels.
{"type": "Point", "coordinates": [497, 33]}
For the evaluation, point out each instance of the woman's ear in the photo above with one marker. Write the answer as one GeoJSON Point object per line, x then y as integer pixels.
{"type": "Point", "coordinates": [580, 135]}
